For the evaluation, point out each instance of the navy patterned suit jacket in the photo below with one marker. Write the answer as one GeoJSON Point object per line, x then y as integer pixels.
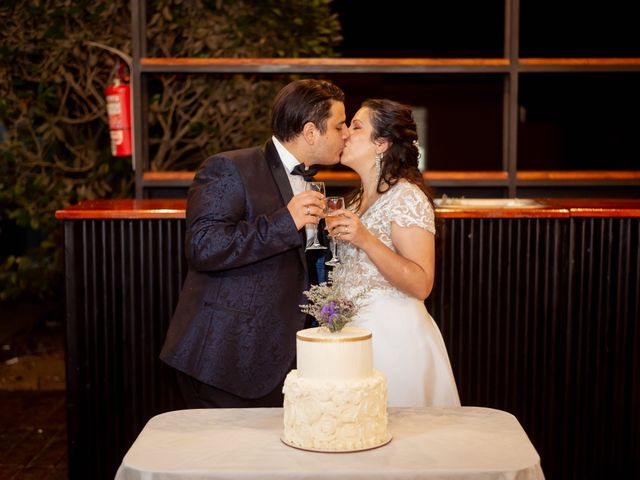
{"type": "Point", "coordinates": [238, 312]}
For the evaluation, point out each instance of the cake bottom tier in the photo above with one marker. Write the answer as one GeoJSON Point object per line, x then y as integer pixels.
{"type": "Point", "coordinates": [335, 416]}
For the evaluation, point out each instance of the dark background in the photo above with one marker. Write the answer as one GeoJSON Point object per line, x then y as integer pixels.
{"type": "Point", "coordinates": [567, 121]}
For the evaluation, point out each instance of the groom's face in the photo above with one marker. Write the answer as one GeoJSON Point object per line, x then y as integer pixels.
{"type": "Point", "coordinates": [329, 145]}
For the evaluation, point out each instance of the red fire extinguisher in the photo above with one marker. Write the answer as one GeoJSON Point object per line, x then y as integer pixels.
{"type": "Point", "coordinates": [119, 113]}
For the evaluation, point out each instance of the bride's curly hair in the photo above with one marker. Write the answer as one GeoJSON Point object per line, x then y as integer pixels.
{"type": "Point", "coordinates": [393, 121]}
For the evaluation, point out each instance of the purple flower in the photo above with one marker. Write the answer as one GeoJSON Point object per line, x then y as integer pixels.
{"type": "Point", "coordinates": [328, 311]}
{"type": "Point", "coordinates": [327, 305]}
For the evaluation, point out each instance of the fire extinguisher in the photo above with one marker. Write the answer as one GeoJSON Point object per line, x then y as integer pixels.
{"type": "Point", "coordinates": [119, 112]}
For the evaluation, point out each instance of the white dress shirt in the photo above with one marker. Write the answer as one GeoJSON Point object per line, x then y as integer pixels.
{"type": "Point", "coordinates": [298, 184]}
{"type": "Point", "coordinates": [290, 162]}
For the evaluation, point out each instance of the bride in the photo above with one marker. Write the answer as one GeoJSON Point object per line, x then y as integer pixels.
{"type": "Point", "coordinates": [388, 246]}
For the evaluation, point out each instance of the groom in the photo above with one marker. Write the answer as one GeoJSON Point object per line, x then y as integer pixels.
{"type": "Point", "coordinates": [232, 336]}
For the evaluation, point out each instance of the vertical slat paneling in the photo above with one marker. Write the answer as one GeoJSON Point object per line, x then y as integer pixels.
{"type": "Point", "coordinates": [633, 335]}
{"type": "Point", "coordinates": [549, 333]}
{"type": "Point", "coordinates": [603, 375]}
{"type": "Point", "coordinates": [127, 277]}
{"type": "Point", "coordinates": [539, 317]}
{"type": "Point", "coordinates": [74, 318]}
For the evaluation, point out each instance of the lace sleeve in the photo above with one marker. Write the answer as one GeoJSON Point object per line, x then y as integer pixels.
{"type": "Point", "coordinates": [411, 207]}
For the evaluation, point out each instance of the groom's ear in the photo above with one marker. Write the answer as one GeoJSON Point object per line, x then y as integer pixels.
{"type": "Point", "coordinates": [309, 132]}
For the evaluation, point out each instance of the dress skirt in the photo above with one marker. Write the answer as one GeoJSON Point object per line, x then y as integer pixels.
{"type": "Point", "coordinates": [408, 348]}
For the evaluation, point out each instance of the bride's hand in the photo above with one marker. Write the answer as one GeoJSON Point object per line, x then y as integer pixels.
{"type": "Point", "coordinates": [348, 227]}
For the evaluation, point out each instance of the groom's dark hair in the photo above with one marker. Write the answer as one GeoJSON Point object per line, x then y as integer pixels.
{"type": "Point", "coordinates": [303, 101]}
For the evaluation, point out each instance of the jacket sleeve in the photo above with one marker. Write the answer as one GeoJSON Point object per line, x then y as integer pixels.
{"type": "Point", "coordinates": [225, 228]}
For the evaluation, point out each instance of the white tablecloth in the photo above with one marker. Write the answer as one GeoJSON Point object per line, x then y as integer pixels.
{"type": "Point", "coordinates": [428, 443]}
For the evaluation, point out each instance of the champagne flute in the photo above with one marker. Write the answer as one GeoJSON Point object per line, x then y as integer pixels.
{"type": "Point", "coordinates": [312, 227]}
{"type": "Point", "coordinates": [333, 204]}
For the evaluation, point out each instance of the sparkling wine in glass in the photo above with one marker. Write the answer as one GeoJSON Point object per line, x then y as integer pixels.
{"type": "Point", "coordinates": [312, 227]}
{"type": "Point", "coordinates": [333, 204]}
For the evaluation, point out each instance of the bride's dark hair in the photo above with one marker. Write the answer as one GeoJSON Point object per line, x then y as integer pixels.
{"type": "Point", "coordinates": [393, 121]}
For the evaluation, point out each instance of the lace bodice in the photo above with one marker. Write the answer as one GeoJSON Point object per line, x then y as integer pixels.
{"type": "Point", "coordinates": [406, 205]}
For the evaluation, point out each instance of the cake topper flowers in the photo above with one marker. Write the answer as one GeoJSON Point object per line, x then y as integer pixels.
{"type": "Point", "coordinates": [329, 306]}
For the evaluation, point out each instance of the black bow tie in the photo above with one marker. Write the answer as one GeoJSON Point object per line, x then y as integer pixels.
{"type": "Point", "coordinates": [306, 174]}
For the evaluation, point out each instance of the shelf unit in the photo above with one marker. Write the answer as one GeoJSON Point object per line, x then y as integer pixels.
{"type": "Point", "coordinates": [508, 179]}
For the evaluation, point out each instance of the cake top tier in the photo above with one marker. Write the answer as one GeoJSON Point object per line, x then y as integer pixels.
{"type": "Point", "coordinates": [321, 334]}
{"type": "Point", "coordinates": [338, 356]}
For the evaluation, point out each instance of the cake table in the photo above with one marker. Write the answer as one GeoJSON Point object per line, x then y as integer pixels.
{"type": "Point", "coordinates": [428, 443]}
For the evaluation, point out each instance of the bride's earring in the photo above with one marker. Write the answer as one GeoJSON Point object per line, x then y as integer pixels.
{"type": "Point", "coordinates": [378, 165]}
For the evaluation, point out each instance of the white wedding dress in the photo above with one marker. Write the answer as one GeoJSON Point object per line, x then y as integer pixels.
{"type": "Point", "coordinates": [407, 344]}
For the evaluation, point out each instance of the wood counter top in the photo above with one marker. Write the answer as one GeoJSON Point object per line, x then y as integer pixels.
{"type": "Point", "coordinates": [124, 208]}
{"type": "Point", "coordinates": [549, 208]}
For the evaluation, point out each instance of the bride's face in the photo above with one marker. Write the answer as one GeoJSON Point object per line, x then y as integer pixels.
{"type": "Point", "coordinates": [359, 150]}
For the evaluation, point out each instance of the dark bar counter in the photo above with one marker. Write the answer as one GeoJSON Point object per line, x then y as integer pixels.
{"type": "Point", "coordinates": [537, 301]}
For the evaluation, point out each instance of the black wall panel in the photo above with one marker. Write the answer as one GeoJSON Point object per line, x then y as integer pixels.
{"type": "Point", "coordinates": [539, 316]}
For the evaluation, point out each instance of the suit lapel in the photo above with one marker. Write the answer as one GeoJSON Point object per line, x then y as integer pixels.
{"type": "Point", "coordinates": [282, 181]}
{"type": "Point", "coordinates": [277, 170]}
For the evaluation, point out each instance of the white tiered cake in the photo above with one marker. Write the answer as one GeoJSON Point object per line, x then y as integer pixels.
{"type": "Point", "coordinates": [335, 401]}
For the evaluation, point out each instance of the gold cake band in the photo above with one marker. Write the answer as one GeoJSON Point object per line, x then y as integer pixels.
{"type": "Point", "coordinates": [333, 340]}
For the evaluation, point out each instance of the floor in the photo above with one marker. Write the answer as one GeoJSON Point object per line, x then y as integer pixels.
{"type": "Point", "coordinates": [33, 440]}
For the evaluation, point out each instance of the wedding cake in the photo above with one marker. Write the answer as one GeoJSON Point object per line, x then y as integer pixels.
{"type": "Point", "coordinates": [335, 401]}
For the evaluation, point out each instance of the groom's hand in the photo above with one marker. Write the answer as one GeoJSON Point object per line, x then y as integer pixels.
{"type": "Point", "coordinates": [306, 207]}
